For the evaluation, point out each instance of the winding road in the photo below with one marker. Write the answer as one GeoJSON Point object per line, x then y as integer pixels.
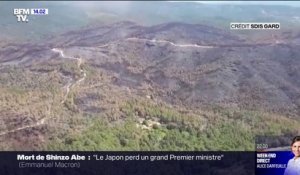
{"type": "Point", "coordinates": [68, 87]}
{"type": "Point", "coordinates": [38, 123]}
{"type": "Point", "coordinates": [82, 71]}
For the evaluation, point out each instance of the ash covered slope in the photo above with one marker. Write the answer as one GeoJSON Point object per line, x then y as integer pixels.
{"type": "Point", "coordinates": [194, 65]}
{"type": "Point", "coordinates": [174, 32]}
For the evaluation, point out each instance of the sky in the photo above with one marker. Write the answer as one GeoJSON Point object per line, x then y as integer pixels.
{"type": "Point", "coordinates": [289, 3]}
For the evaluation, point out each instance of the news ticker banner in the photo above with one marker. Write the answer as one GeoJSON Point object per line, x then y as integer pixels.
{"type": "Point", "coordinates": [129, 163]}
{"type": "Point", "coordinates": [269, 159]}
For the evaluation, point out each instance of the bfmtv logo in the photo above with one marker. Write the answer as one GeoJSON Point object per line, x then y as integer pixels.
{"type": "Point", "coordinates": [22, 14]}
